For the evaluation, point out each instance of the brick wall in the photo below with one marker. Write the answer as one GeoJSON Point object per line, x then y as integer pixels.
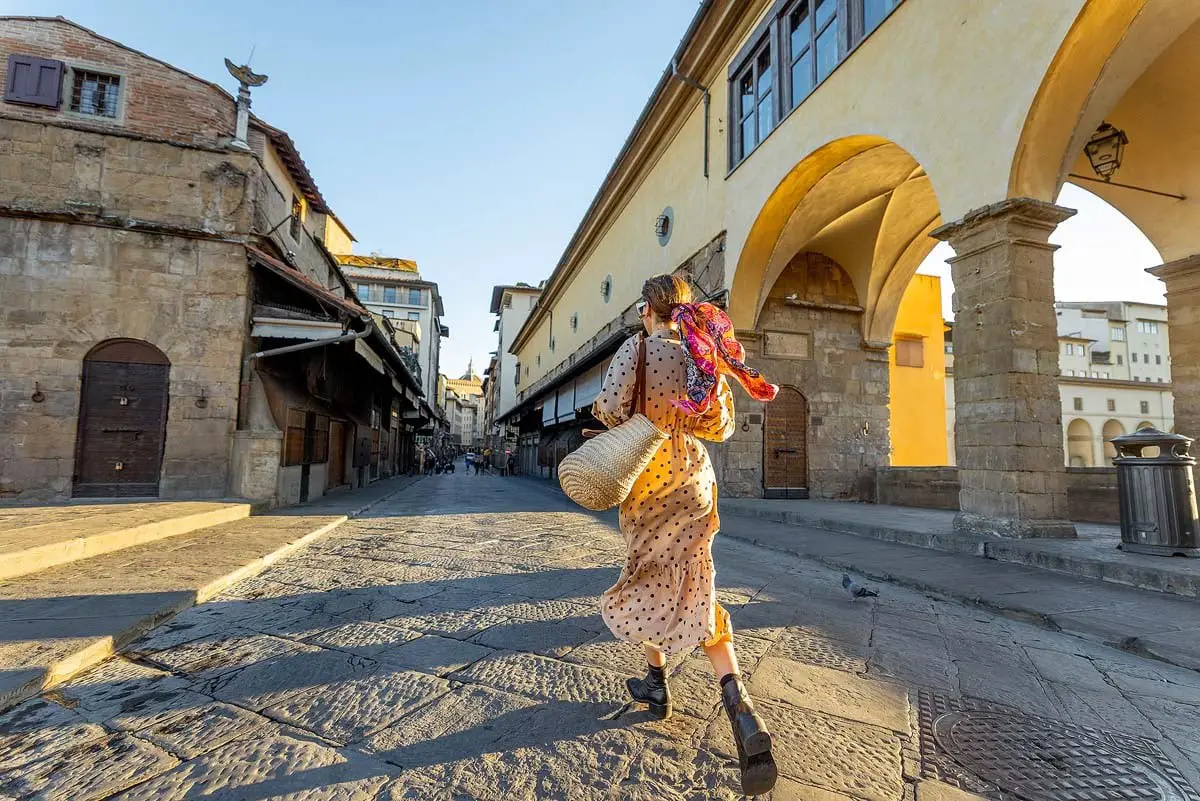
{"type": "Point", "coordinates": [158, 100]}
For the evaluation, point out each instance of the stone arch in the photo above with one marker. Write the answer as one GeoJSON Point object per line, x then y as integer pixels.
{"type": "Point", "coordinates": [864, 202]}
{"type": "Point", "coordinates": [1080, 450]}
{"type": "Point", "coordinates": [1131, 64]}
{"type": "Point", "coordinates": [1144, 425]}
{"type": "Point", "coordinates": [1111, 429]}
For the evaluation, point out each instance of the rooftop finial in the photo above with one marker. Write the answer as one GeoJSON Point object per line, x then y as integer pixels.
{"type": "Point", "coordinates": [246, 79]}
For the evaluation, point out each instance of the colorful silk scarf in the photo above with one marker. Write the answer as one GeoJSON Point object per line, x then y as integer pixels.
{"type": "Point", "coordinates": [710, 350]}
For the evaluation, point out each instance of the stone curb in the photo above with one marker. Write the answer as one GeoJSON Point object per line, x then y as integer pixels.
{"type": "Point", "coordinates": [1008, 551]}
{"type": "Point", "coordinates": [104, 647]}
{"type": "Point", "coordinates": [33, 560]}
{"type": "Point", "coordinates": [1012, 609]}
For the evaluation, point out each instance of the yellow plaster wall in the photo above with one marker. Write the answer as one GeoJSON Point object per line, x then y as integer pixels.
{"type": "Point", "coordinates": [337, 239]}
{"type": "Point", "coordinates": [918, 399]}
{"type": "Point", "coordinates": [629, 249]}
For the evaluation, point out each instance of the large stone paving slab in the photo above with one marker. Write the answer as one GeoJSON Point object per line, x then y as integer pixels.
{"type": "Point", "coordinates": [434, 655]}
{"type": "Point", "coordinates": [223, 652]}
{"type": "Point", "coordinates": [269, 682]}
{"type": "Point", "coordinates": [347, 711]}
{"type": "Point", "coordinates": [38, 729]}
{"type": "Point", "coordinates": [121, 688]}
{"type": "Point", "coordinates": [834, 754]}
{"type": "Point", "coordinates": [283, 767]}
{"type": "Point", "coordinates": [362, 637]}
{"type": "Point", "coordinates": [548, 679]}
{"type": "Point", "coordinates": [469, 718]}
{"type": "Point", "coordinates": [200, 729]}
{"type": "Point", "coordinates": [89, 771]}
{"type": "Point", "coordinates": [833, 692]}
{"type": "Point", "coordinates": [548, 637]}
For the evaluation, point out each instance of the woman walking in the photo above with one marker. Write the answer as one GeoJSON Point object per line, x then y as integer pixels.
{"type": "Point", "coordinates": [665, 598]}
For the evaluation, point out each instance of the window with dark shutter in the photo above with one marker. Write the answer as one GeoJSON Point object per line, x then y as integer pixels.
{"type": "Point", "coordinates": [33, 81]}
{"type": "Point", "coordinates": [95, 93]}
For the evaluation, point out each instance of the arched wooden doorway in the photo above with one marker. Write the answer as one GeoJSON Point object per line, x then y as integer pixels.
{"type": "Point", "coordinates": [122, 420]}
{"type": "Point", "coordinates": [785, 446]}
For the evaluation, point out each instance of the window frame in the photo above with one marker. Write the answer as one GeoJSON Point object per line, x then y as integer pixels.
{"type": "Point", "coordinates": [772, 33]}
{"type": "Point", "coordinates": [416, 297]}
{"type": "Point", "coordinates": [71, 71]}
{"type": "Point", "coordinates": [364, 297]}
{"type": "Point", "coordinates": [395, 295]}
{"type": "Point", "coordinates": [912, 345]}
{"type": "Point", "coordinates": [296, 221]}
{"type": "Point", "coordinates": [1144, 406]}
{"type": "Point", "coordinates": [1077, 403]}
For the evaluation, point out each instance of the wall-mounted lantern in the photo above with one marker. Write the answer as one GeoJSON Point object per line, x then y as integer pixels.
{"type": "Point", "coordinates": [663, 225]}
{"type": "Point", "coordinates": [1105, 150]}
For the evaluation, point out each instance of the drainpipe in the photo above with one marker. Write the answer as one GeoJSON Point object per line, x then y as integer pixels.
{"type": "Point", "coordinates": [244, 393]}
{"type": "Point", "coordinates": [692, 82]}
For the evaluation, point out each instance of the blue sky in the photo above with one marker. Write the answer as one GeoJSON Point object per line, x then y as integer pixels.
{"type": "Point", "coordinates": [471, 136]}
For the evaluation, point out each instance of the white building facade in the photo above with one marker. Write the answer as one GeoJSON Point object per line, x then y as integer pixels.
{"type": "Point", "coordinates": [1115, 377]}
{"type": "Point", "coordinates": [394, 289]}
{"type": "Point", "coordinates": [511, 305]}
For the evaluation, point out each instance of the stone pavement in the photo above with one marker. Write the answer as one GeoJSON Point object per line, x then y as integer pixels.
{"type": "Point", "coordinates": [68, 617]}
{"type": "Point", "coordinates": [1158, 624]}
{"type": "Point", "coordinates": [1093, 554]}
{"type": "Point", "coordinates": [447, 646]}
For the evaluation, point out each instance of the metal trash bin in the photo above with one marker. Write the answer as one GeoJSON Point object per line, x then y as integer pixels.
{"type": "Point", "coordinates": [1157, 494]}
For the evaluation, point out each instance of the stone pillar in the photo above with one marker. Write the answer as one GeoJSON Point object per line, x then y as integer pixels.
{"type": "Point", "coordinates": [1008, 416]}
{"type": "Point", "coordinates": [1182, 278]}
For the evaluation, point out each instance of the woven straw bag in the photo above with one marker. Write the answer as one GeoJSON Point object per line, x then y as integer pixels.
{"type": "Point", "coordinates": [601, 473]}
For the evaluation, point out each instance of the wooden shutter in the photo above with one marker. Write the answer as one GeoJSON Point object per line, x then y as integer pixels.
{"type": "Point", "coordinates": [33, 81]}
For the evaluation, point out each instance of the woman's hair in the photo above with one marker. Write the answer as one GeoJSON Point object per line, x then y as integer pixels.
{"type": "Point", "coordinates": [665, 292]}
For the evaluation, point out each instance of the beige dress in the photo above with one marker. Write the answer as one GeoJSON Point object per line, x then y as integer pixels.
{"type": "Point", "coordinates": [666, 595]}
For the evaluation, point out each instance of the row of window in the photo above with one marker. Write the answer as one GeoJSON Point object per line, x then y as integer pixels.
{"type": "Point", "coordinates": [1073, 349]}
{"type": "Point", "coordinates": [1147, 327]}
{"type": "Point", "coordinates": [1133, 357]}
{"type": "Point", "coordinates": [1111, 405]}
{"type": "Point", "coordinates": [390, 294]}
{"type": "Point", "coordinates": [33, 81]}
{"type": "Point", "coordinates": [1086, 374]}
{"type": "Point", "coordinates": [795, 49]}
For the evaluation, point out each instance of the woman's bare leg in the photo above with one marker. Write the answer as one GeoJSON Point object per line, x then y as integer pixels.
{"type": "Point", "coordinates": [655, 657]}
{"type": "Point", "coordinates": [722, 657]}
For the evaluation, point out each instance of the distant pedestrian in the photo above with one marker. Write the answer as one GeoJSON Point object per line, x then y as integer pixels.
{"type": "Point", "coordinates": [665, 598]}
{"type": "Point", "coordinates": [511, 465]}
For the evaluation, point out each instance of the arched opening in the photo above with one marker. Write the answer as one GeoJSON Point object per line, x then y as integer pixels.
{"type": "Point", "coordinates": [785, 446]}
{"type": "Point", "coordinates": [122, 420]}
{"type": "Point", "coordinates": [1111, 430]}
{"type": "Point", "coordinates": [1131, 65]}
{"type": "Point", "coordinates": [820, 282]}
{"type": "Point", "coordinates": [1079, 444]}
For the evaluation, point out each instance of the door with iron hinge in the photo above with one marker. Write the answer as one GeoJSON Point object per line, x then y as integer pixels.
{"type": "Point", "coordinates": [785, 446]}
{"type": "Point", "coordinates": [122, 421]}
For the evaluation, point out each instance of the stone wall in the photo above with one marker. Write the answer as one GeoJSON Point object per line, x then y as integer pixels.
{"type": "Point", "coordinates": [922, 487]}
{"type": "Point", "coordinates": [1091, 491]}
{"type": "Point", "coordinates": [810, 338]}
{"type": "Point", "coordinates": [104, 237]}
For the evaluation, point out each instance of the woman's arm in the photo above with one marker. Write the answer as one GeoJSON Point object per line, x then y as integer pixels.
{"type": "Point", "coordinates": [717, 424]}
{"type": "Point", "coordinates": [613, 405]}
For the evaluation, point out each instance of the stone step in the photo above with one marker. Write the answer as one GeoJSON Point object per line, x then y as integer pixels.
{"type": "Point", "coordinates": [60, 621]}
{"type": "Point", "coordinates": [37, 538]}
{"type": "Point", "coordinates": [1093, 555]}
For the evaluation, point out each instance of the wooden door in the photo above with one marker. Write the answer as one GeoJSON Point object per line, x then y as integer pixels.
{"type": "Point", "coordinates": [122, 421]}
{"type": "Point", "coordinates": [785, 446]}
{"type": "Point", "coordinates": [337, 454]}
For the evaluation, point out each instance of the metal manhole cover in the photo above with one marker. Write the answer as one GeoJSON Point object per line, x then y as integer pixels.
{"type": "Point", "coordinates": [1038, 760]}
{"type": "Point", "coordinates": [1006, 754]}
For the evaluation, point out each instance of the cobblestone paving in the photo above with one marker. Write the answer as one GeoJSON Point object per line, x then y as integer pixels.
{"type": "Point", "coordinates": [448, 647]}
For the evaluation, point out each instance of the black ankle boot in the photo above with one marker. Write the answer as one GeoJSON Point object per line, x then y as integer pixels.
{"type": "Point", "coordinates": [653, 691]}
{"type": "Point", "coordinates": [751, 736]}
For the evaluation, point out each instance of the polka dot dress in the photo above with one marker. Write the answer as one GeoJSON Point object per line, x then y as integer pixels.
{"type": "Point", "coordinates": [666, 595]}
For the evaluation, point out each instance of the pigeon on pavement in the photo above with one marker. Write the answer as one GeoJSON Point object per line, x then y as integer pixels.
{"type": "Point", "coordinates": [855, 590]}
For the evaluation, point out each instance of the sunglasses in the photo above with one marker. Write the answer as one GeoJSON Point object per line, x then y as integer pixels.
{"type": "Point", "coordinates": [641, 307]}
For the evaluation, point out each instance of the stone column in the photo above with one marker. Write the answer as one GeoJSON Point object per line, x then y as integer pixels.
{"type": "Point", "coordinates": [1182, 278]}
{"type": "Point", "coordinates": [1008, 417]}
